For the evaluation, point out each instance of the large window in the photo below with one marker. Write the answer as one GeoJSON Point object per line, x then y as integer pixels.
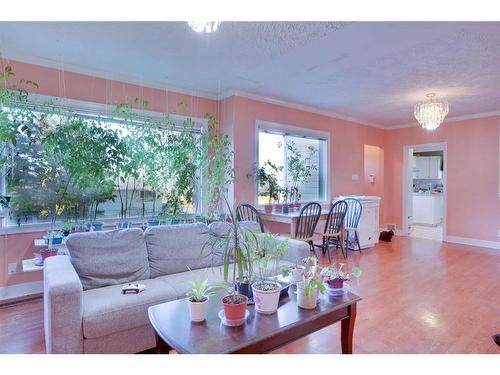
{"type": "Point", "coordinates": [85, 167]}
{"type": "Point", "coordinates": [296, 159]}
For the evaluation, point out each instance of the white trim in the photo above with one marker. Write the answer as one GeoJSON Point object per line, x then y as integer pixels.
{"type": "Point", "coordinates": [108, 76]}
{"type": "Point", "coordinates": [443, 146]}
{"type": "Point", "coordinates": [21, 290]}
{"type": "Point", "coordinates": [448, 119]}
{"type": "Point", "coordinates": [298, 131]}
{"type": "Point", "coordinates": [101, 109]}
{"type": "Point", "coordinates": [301, 107]}
{"type": "Point", "coordinates": [473, 242]}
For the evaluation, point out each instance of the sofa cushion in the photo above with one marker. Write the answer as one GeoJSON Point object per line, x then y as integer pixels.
{"type": "Point", "coordinates": [174, 248]}
{"type": "Point", "coordinates": [180, 281]}
{"type": "Point", "coordinates": [109, 257]}
{"type": "Point", "coordinates": [106, 310]}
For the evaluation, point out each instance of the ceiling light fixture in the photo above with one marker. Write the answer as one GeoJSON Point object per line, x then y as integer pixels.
{"type": "Point", "coordinates": [431, 114]}
{"type": "Point", "coordinates": [204, 26]}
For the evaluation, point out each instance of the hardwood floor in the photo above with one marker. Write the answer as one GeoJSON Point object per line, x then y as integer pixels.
{"type": "Point", "coordinates": [419, 296]}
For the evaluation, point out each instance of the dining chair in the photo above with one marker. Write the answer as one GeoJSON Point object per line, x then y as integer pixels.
{"type": "Point", "coordinates": [353, 215]}
{"type": "Point", "coordinates": [332, 234]}
{"type": "Point", "coordinates": [247, 212]}
{"type": "Point", "coordinates": [306, 223]}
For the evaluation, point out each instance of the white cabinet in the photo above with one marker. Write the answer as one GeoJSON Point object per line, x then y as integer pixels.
{"type": "Point", "coordinates": [427, 167]}
{"type": "Point", "coordinates": [368, 228]}
{"type": "Point", "coordinates": [427, 209]}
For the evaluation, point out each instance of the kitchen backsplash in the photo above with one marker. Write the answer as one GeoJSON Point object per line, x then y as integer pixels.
{"type": "Point", "coordinates": [435, 185]}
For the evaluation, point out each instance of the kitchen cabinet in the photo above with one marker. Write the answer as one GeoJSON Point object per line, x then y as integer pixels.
{"type": "Point", "coordinates": [368, 228]}
{"type": "Point", "coordinates": [427, 167]}
{"type": "Point", "coordinates": [427, 208]}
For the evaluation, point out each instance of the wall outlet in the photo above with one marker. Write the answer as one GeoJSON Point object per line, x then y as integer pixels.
{"type": "Point", "coordinates": [12, 268]}
{"type": "Point", "coordinates": [355, 177]}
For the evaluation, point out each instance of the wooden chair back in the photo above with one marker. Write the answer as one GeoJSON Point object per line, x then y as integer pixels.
{"type": "Point", "coordinates": [307, 221]}
{"type": "Point", "coordinates": [247, 212]}
{"type": "Point", "coordinates": [353, 214]}
{"type": "Point", "coordinates": [335, 218]}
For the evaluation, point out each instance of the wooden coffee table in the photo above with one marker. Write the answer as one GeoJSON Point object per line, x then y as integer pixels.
{"type": "Point", "coordinates": [259, 334]}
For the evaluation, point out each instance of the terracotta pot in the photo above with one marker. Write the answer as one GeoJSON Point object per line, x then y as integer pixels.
{"type": "Point", "coordinates": [297, 206]}
{"type": "Point", "coordinates": [268, 208]}
{"type": "Point", "coordinates": [234, 311]}
{"type": "Point", "coordinates": [278, 208]}
{"type": "Point", "coordinates": [266, 301]}
{"type": "Point", "coordinates": [306, 302]}
{"type": "Point", "coordinates": [198, 310]}
{"type": "Point", "coordinates": [45, 253]}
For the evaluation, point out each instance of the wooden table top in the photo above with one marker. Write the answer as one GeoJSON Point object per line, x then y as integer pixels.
{"type": "Point", "coordinates": [259, 334]}
{"type": "Point", "coordinates": [290, 215]}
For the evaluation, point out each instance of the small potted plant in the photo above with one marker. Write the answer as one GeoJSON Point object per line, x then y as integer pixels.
{"type": "Point", "coordinates": [334, 276]}
{"type": "Point", "coordinates": [54, 237]}
{"type": "Point", "coordinates": [310, 286]}
{"type": "Point", "coordinates": [66, 227]}
{"type": "Point", "coordinates": [198, 297]}
{"type": "Point", "coordinates": [266, 294]}
{"type": "Point", "coordinates": [268, 180]}
{"type": "Point", "coordinates": [236, 244]}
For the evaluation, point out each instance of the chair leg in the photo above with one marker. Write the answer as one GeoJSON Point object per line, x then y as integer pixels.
{"type": "Point", "coordinates": [311, 248]}
{"type": "Point", "coordinates": [357, 240]}
{"type": "Point", "coordinates": [328, 251]}
{"type": "Point", "coordinates": [342, 247]}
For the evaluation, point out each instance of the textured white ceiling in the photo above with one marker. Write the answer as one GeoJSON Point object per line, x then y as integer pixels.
{"type": "Point", "coordinates": [371, 71]}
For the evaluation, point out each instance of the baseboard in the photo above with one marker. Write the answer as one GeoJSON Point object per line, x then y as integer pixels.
{"type": "Point", "coordinates": [473, 242]}
{"type": "Point", "coordinates": [18, 291]}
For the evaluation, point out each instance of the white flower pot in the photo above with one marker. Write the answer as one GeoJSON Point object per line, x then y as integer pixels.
{"type": "Point", "coordinates": [306, 302]}
{"type": "Point", "coordinates": [198, 310]}
{"type": "Point", "coordinates": [266, 301]}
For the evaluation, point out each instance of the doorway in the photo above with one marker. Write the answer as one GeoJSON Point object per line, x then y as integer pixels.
{"type": "Point", "coordinates": [425, 191]}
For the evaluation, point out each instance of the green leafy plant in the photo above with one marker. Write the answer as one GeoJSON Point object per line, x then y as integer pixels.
{"type": "Point", "coordinates": [216, 160]}
{"type": "Point", "coordinates": [236, 245]}
{"type": "Point", "coordinates": [268, 254]}
{"type": "Point", "coordinates": [299, 168]}
{"type": "Point", "coordinates": [200, 289]}
{"type": "Point", "coordinates": [311, 277]}
{"type": "Point", "coordinates": [268, 181]}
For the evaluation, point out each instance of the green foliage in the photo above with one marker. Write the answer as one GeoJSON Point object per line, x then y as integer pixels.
{"type": "Point", "coordinates": [268, 254]}
{"type": "Point", "coordinates": [216, 159]}
{"type": "Point", "coordinates": [200, 289]}
{"type": "Point", "coordinates": [311, 278]}
{"type": "Point", "coordinates": [299, 168]}
{"type": "Point", "coordinates": [268, 181]}
{"type": "Point", "coordinates": [237, 245]}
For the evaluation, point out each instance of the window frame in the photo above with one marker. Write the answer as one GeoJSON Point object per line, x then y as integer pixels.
{"type": "Point", "coordinates": [93, 109]}
{"type": "Point", "coordinates": [296, 131]}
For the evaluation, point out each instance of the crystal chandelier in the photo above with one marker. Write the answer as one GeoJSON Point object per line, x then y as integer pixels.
{"type": "Point", "coordinates": [204, 26]}
{"type": "Point", "coordinates": [431, 114]}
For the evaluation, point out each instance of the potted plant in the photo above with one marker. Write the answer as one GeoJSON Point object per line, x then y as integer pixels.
{"type": "Point", "coordinates": [66, 227]}
{"type": "Point", "coordinates": [334, 276]}
{"type": "Point", "coordinates": [198, 297]}
{"type": "Point", "coordinates": [236, 245]}
{"type": "Point", "coordinates": [268, 181]}
{"type": "Point", "coordinates": [310, 286]}
{"type": "Point", "coordinates": [299, 170]}
{"type": "Point", "coordinates": [266, 294]}
{"type": "Point", "coordinates": [56, 235]}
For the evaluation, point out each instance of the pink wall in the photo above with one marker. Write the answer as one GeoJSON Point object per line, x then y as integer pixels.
{"type": "Point", "coordinates": [347, 145]}
{"type": "Point", "coordinates": [473, 204]}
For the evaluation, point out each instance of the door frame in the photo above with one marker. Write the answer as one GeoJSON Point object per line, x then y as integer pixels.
{"type": "Point", "coordinates": [442, 146]}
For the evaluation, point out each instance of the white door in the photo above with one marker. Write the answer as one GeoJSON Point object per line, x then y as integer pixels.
{"type": "Point", "coordinates": [408, 185]}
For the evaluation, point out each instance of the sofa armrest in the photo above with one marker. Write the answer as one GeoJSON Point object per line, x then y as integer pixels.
{"type": "Point", "coordinates": [297, 250]}
{"type": "Point", "coordinates": [62, 299]}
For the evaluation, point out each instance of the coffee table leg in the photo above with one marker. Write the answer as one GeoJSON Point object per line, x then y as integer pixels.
{"type": "Point", "coordinates": [347, 329]}
{"type": "Point", "coordinates": [161, 346]}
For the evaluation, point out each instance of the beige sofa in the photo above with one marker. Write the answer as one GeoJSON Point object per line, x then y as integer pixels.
{"type": "Point", "coordinates": [84, 309]}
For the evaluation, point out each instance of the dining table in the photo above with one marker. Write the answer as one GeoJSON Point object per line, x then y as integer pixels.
{"type": "Point", "coordinates": [290, 218]}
